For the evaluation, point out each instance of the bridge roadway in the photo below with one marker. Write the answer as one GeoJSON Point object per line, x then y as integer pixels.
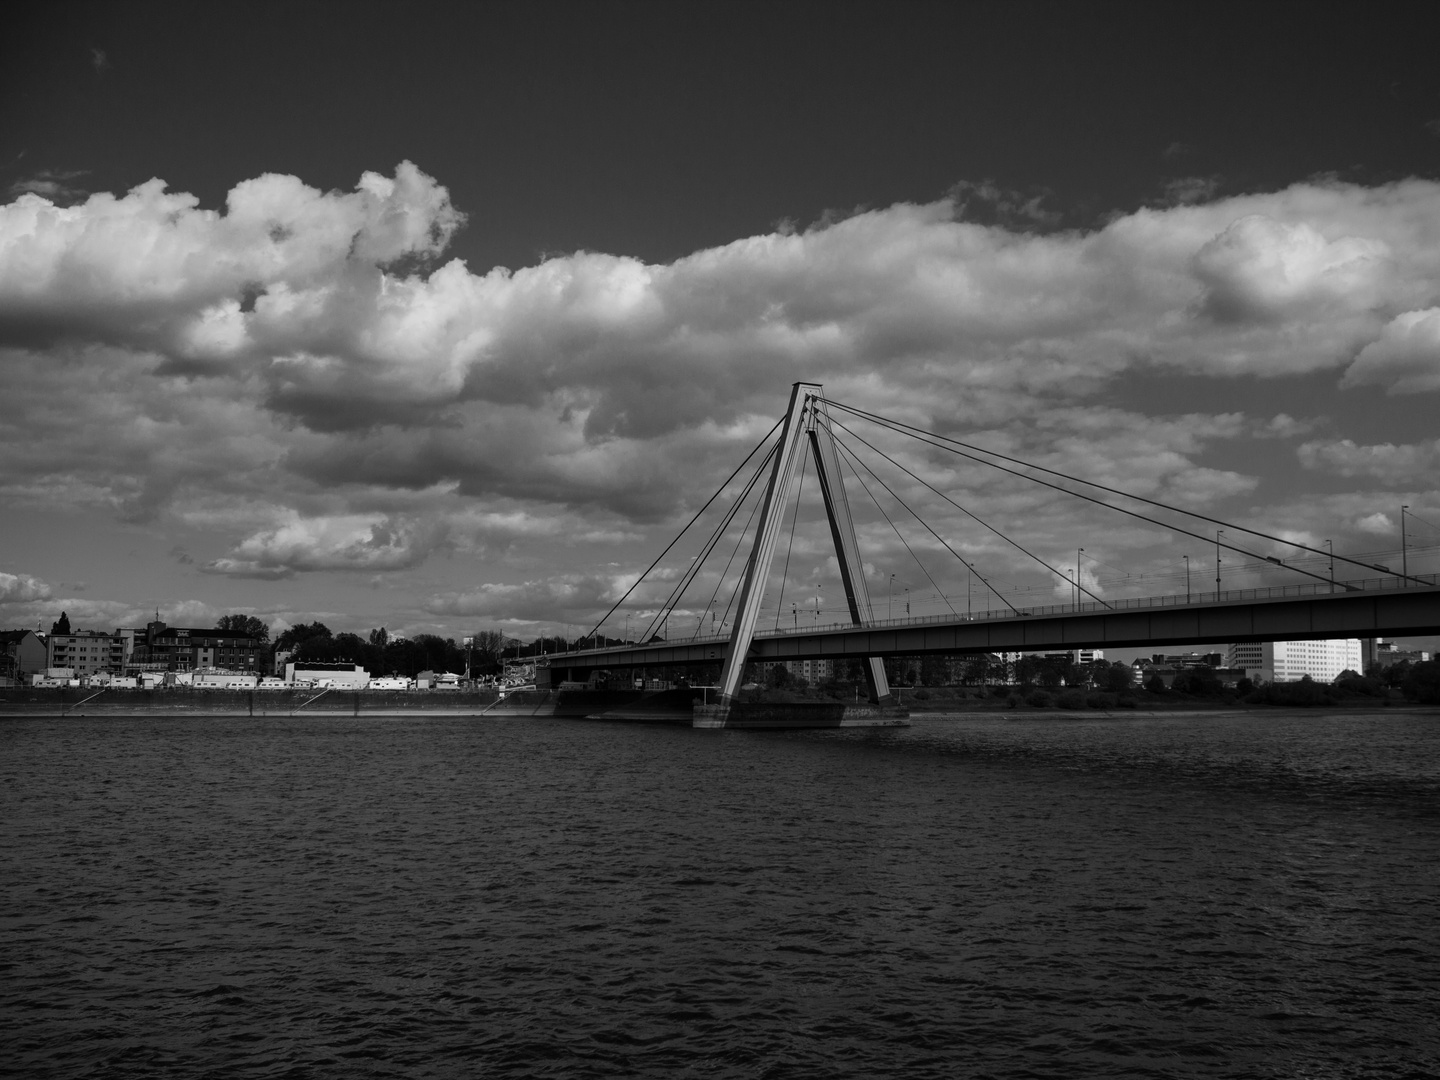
{"type": "Point", "coordinates": [1373, 608]}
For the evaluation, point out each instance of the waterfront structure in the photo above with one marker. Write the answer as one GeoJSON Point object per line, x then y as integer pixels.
{"type": "Point", "coordinates": [1185, 660]}
{"type": "Point", "coordinates": [223, 680]}
{"type": "Point", "coordinates": [22, 653]}
{"type": "Point", "coordinates": [85, 652]}
{"type": "Point", "coordinates": [188, 648]}
{"type": "Point", "coordinates": [1291, 661]}
{"type": "Point", "coordinates": [327, 676]}
{"type": "Point", "coordinates": [390, 683]}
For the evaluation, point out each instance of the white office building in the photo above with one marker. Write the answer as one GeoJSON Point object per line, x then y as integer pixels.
{"type": "Point", "coordinates": [1291, 661]}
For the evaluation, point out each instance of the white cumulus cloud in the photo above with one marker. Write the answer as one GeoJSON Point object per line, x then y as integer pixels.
{"type": "Point", "coordinates": [21, 588]}
{"type": "Point", "coordinates": [1384, 461]}
{"type": "Point", "coordinates": [344, 542]}
{"type": "Point", "coordinates": [1405, 358]}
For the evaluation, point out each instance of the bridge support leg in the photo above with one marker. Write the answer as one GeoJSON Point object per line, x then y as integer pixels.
{"type": "Point", "coordinates": [806, 420]}
{"type": "Point", "coordinates": [842, 531]}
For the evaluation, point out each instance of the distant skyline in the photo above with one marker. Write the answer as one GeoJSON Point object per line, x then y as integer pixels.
{"type": "Point", "coordinates": [446, 317]}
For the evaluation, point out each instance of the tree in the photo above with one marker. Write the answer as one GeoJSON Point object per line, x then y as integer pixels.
{"type": "Point", "coordinates": [1396, 674]}
{"type": "Point", "coordinates": [1117, 677]}
{"type": "Point", "coordinates": [1027, 669]}
{"type": "Point", "coordinates": [977, 668]}
{"type": "Point", "coordinates": [934, 670]}
{"type": "Point", "coordinates": [1052, 671]}
{"type": "Point", "coordinates": [301, 632]}
{"type": "Point", "coordinates": [244, 624]}
{"type": "Point", "coordinates": [1422, 683]}
{"type": "Point", "coordinates": [1198, 682]}
{"type": "Point", "coordinates": [61, 625]}
{"type": "Point", "coordinates": [1350, 681]}
{"type": "Point", "coordinates": [778, 677]}
{"type": "Point", "coordinates": [379, 638]}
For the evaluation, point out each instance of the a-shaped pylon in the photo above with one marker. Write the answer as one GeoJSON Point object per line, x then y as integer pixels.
{"type": "Point", "coordinates": [805, 421]}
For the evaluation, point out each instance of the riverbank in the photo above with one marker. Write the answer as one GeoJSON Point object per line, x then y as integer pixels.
{"type": "Point", "coordinates": [1180, 712]}
{"type": "Point", "coordinates": [188, 701]}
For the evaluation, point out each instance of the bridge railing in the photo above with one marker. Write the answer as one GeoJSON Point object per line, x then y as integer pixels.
{"type": "Point", "coordinates": [1264, 592]}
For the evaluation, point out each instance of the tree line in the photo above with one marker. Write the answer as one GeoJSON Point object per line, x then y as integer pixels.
{"type": "Point", "coordinates": [380, 654]}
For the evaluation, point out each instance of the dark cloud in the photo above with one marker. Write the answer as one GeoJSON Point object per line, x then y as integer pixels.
{"type": "Point", "coordinates": [52, 184]}
{"type": "Point", "coordinates": [1185, 190]}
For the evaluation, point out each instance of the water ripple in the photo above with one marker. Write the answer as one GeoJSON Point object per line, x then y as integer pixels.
{"type": "Point", "coordinates": [434, 897]}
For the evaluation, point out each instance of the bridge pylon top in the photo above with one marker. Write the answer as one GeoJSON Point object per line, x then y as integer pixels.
{"type": "Point", "coordinates": [802, 421]}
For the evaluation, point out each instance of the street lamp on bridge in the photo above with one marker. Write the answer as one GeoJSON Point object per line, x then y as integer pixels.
{"type": "Point", "coordinates": [1218, 533]}
{"type": "Point", "coordinates": [1187, 577]}
{"type": "Point", "coordinates": [1404, 559]}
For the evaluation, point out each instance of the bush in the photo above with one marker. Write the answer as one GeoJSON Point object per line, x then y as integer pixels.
{"type": "Point", "coordinates": [1071, 699]}
{"type": "Point", "coordinates": [1038, 698]}
{"type": "Point", "coordinates": [1102, 701]}
{"type": "Point", "coordinates": [922, 695]}
{"type": "Point", "coordinates": [1013, 701]}
{"type": "Point", "coordinates": [1198, 682]}
{"type": "Point", "coordinates": [1155, 684]}
{"type": "Point", "coordinates": [1359, 685]}
{"type": "Point", "coordinates": [1303, 694]}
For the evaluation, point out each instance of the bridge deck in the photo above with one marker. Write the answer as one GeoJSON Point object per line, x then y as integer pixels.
{"type": "Point", "coordinates": [1373, 607]}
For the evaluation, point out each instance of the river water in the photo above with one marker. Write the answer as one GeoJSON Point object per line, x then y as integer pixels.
{"type": "Point", "coordinates": [435, 897]}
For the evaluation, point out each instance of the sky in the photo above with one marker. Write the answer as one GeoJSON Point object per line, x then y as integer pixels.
{"type": "Point", "coordinates": [447, 317]}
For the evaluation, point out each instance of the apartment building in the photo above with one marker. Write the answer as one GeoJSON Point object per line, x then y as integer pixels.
{"type": "Point", "coordinates": [86, 652]}
{"type": "Point", "coordinates": [189, 648]}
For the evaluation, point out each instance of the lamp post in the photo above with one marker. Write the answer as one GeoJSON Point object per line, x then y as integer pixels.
{"type": "Point", "coordinates": [1331, 545]}
{"type": "Point", "coordinates": [627, 629]}
{"type": "Point", "coordinates": [1187, 577]}
{"type": "Point", "coordinates": [890, 607]}
{"type": "Point", "coordinates": [1404, 559]}
{"type": "Point", "coordinates": [1218, 533]}
{"type": "Point", "coordinates": [1078, 553]}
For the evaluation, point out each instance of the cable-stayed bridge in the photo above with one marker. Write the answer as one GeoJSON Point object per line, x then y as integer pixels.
{"type": "Point", "coordinates": [1364, 599]}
